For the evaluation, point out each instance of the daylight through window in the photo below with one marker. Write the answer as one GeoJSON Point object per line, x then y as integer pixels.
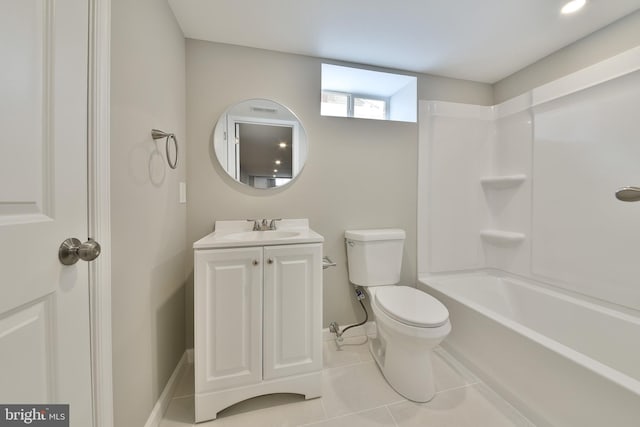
{"type": "Point", "coordinates": [366, 94]}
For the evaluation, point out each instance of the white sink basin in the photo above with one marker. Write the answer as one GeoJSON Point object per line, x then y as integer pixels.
{"type": "Point", "coordinates": [238, 234]}
{"type": "Point", "coordinates": [257, 236]}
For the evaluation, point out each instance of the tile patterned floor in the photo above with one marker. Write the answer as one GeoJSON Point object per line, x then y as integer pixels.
{"type": "Point", "coordinates": [355, 394]}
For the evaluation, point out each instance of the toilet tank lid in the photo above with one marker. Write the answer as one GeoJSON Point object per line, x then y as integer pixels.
{"type": "Point", "coordinates": [375, 234]}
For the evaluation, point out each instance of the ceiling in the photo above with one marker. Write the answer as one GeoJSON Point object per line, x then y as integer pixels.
{"type": "Point", "coordinates": [479, 40]}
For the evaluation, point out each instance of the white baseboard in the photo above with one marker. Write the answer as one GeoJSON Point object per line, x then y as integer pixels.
{"type": "Point", "coordinates": [155, 417]}
{"type": "Point", "coordinates": [368, 328]}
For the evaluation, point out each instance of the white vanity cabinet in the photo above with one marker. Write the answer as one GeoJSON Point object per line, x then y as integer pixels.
{"type": "Point", "coordinates": [258, 323]}
{"type": "Point", "coordinates": [228, 318]}
{"type": "Point", "coordinates": [292, 310]}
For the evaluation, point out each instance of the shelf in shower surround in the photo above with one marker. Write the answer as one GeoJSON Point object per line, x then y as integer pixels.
{"type": "Point", "coordinates": [501, 237]}
{"type": "Point", "coordinates": [500, 182]}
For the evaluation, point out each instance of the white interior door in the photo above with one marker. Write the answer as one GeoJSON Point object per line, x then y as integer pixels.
{"type": "Point", "coordinates": [44, 306]}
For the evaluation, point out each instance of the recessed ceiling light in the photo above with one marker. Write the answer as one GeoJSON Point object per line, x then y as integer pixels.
{"type": "Point", "coordinates": [275, 170]}
{"type": "Point", "coordinates": [277, 162]}
{"type": "Point", "coordinates": [572, 6]}
{"type": "Point", "coordinates": [283, 145]}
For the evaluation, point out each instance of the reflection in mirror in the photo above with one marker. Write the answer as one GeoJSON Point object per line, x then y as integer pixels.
{"type": "Point", "coordinates": [260, 143]}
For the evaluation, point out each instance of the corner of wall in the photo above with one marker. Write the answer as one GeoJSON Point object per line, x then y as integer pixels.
{"type": "Point", "coordinates": [611, 40]}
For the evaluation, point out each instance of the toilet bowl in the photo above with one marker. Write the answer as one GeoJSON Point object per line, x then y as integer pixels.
{"type": "Point", "coordinates": [403, 350]}
{"type": "Point", "coordinates": [409, 322]}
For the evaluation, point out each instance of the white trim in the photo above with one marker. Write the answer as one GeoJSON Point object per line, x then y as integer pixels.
{"type": "Point", "coordinates": [512, 106]}
{"type": "Point", "coordinates": [609, 69]}
{"type": "Point", "coordinates": [457, 110]}
{"type": "Point", "coordinates": [155, 417]}
{"type": "Point", "coordinates": [617, 66]}
{"type": "Point", "coordinates": [98, 177]}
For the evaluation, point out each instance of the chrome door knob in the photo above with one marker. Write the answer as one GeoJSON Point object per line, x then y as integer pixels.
{"type": "Point", "coordinates": [71, 250]}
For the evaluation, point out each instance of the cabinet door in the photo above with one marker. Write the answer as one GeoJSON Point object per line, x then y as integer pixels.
{"type": "Point", "coordinates": [292, 310]}
{"type": "Point", "coordinates": [228, 318]}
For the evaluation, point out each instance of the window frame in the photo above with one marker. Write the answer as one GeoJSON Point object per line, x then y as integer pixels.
{"type": "Point", "coordinates": [351, 96]}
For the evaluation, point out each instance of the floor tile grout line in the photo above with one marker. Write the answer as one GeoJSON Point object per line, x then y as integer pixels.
{"type": "Point", "coordinates": [460, 368]}
{"type": "Point", "coordinates": [466, 384]}
{"type": "Point", "coordinates": [355, 412]}
{"type": "Point", "coordinates": [327, 368]}
{"type": "Point", "coordinates": [324, 409]}
{"type": "Point", "coordinates": [514, 411]}
{"type": "Point", "coordinates": [469, 379]}
{"type": "Point", "coordinates": [395, 422]}
{"type": "Point", "coordinates": [460, 387]}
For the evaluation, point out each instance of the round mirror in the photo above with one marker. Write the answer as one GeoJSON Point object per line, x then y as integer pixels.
{"type": "Point", "coordinates": [260, 143]}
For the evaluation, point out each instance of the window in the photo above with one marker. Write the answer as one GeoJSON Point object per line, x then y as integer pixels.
{"type": "Point", "coordinates": [369, 108]}
{"type": "Point", "coordinates": [353, 92]}
{"type": "Point", "coordinates": [335, 104]}
{"type": "Point", "coordinates": [340, 104]}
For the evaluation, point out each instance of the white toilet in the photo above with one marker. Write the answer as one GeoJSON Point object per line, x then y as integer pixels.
{"type": "Point", "coordinates": [409, 323]}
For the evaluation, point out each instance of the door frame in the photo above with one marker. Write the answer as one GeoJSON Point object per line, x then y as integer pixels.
{"type": "Point", "coordinates": [99, 209]}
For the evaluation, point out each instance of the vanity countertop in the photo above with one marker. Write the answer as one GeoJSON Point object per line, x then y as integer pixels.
{"type": "Point", "coordinates": [237, 234]}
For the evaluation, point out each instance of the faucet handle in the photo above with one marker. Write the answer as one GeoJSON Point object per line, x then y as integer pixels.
{"type": "Point", "coordinates": [256, 224]}
{"type": "Point", "coordinates": [272, 224]}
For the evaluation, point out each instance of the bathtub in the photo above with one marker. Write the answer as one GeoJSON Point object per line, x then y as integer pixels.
{"type": "Point", "coordinates": [560, 360]}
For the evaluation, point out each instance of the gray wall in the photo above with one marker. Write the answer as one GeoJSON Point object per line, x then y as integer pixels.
{"type": "Point", "coordinates": [359, 173]}
{"type": "Point", "coordinates": [617, 37]}
{"type": "Point", "coordinates": [148, 225]}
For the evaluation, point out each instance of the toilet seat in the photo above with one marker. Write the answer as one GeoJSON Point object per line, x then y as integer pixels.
{"type": "Point", "coordinates": [411, 306]}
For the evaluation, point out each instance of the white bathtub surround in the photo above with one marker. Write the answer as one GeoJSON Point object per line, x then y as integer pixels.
{"type": "Point", "coordinates": [537, 347]}
{"type": "Point", "coordinates": [527, 188]}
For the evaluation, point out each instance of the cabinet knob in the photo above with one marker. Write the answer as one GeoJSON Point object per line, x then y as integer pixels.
{"type": "Point", "coordinates": [270, 260]}
{"type": "Point", "coordinates": [255, 262]}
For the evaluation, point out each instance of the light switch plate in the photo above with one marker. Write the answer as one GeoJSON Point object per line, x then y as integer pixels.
{"type": "Point", "coordinates": [182, 196]}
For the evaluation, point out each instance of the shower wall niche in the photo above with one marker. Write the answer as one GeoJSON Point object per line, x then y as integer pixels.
{"type": "Point", "coordinates": [474, 187]}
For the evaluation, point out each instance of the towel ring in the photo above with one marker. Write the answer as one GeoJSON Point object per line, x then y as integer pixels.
{"type": "Point", "coordinates": [158, 134]}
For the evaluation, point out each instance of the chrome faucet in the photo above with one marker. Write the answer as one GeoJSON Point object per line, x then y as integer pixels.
{"type": "Point", "coordinates": [272, 224]}
{"type": "Point", "coordinates": [265, 224]}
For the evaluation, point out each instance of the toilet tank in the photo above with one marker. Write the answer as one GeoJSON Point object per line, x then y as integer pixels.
{"type": "Point", "coordinates": [374, 257]}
